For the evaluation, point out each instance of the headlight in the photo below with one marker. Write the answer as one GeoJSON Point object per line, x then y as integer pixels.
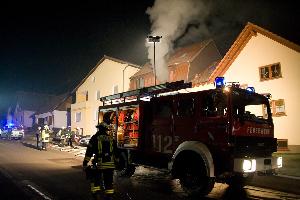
{"type": "Point", "coordinates": [249, 165]}
{"type": "Point", "coordinates": [279, 162]}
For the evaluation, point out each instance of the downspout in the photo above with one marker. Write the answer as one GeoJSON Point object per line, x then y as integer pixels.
{"type": "Point", "coordinates": [52, 120]}
{"type": "Point", "coordinates": [124, 76]}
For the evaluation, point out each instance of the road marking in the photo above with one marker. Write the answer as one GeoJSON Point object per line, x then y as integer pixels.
{"type": "Point", "coordinates": [39, 192]}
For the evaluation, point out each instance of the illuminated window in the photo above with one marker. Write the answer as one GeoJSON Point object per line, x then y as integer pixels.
{"type": "Point", "coordinates": [115, 89]}
{"type": "Point", "coordinates": [78, 116]}
{"type": "Point", "coordinates": [98, 95]}
{"type": "Point", "coordinates": [278, 108]}
{"type": "Point", "coordinates": [270, 72]}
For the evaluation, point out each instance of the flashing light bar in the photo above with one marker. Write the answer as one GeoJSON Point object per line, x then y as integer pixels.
{"type": "Point", "coordinates": [250, 89]}
{"type": "Point", "coordinates": [220, 82]}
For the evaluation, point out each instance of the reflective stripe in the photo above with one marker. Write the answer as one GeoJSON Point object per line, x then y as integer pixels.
{"type": "Point", "coordinates": [102, 138]}
{"type": "Point", "coordinates": [94, 189]}
{"type": "Point", "coordinates": [107, 165]}
{"type": "Point", "coordinates": [99, 145]}
{"type": "Point", "coordinates": [111, 191]}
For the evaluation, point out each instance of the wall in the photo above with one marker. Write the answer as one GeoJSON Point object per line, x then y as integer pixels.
{"type": "Point", "coordinates": [106, 75]}
{"type": "Point", "coordinates": [60, 119]}
{"type": "Point", "coordinates": [261, 51]}
{"type": "Point", "coordinates": [28, 120]}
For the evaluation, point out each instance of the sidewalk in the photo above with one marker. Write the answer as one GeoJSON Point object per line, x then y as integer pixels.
{"type": "Point", "coordinates": [77, 151]}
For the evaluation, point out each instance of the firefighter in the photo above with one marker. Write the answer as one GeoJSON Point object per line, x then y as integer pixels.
{"type": "Point", "coordinates": [101, 145]}
{"type": "Point", "coordinates": [69, 136]}
{"type": "Point", "coordinates": [37, 135]}
{"type": "Point", "coordinates": [45, 137]}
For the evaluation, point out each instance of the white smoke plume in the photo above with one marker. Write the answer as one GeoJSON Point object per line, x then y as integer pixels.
{"type": "Point", "coordinates": [170, 19]}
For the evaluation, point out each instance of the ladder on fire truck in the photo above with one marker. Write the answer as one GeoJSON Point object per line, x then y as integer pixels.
{"type": "Point", "coordinates": [144, 93]}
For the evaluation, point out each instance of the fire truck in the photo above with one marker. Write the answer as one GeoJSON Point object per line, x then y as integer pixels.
{"type": "Point", "coordinates": [223, 134]}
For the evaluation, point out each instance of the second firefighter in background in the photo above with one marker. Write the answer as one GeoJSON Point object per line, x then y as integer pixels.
{"type": "Point", "coordinates": [101, 145]}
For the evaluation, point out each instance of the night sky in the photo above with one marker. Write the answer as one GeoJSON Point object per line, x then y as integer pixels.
{"type": "Point", "coordinates": [50, 47]}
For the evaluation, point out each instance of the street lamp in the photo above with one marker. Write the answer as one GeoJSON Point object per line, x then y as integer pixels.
{"type": "Point", "coordinates": [154, 39]}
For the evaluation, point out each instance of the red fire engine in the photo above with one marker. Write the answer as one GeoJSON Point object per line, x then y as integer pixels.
{"type": "Point", "coordinates": [221, 134]}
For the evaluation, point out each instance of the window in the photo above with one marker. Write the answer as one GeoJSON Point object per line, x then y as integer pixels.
{"type": "Point", "coordinates": [278, 107]}
{"type": "Point", "coordinates": [87, 96]}
{"type": "Point", "coordinates": [98, 95]}
{"type": "Point", "coordinates": [214, 105]}
{"type": "Point", "coordinates": [78, 116]}
{"type": "Point", "coordinates": [140, 83]}
{"type": "Point", "coordinates": [50, 119]}
{"type": "Point", "coordinates": [270, 72]}
{"type": "Point", "coordinates": [96, 115]}
{"type": "Point", "coordinates": [163, 109]}
{"type": "Point", "coordinates": [185, 108]}
{"type": "Point", "coordinates": [115, 89]}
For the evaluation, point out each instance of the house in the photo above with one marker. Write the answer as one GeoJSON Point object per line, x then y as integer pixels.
{"type": "Point", "coordinates": [109, 76]}
{"type": "Point", "coordinates": [270, 63]}
{"type": "Point", "coordinates": [183, 64]}
{"type": "Point", "coordinates": [27, 103]}
{"type": "Point", "coordinates": [56, 113]}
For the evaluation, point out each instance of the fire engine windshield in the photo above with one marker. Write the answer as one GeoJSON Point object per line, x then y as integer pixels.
{"type": "Point", "coordinates": [250, 106]}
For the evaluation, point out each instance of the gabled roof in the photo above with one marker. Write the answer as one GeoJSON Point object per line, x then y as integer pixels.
{"type": "Point", "coordinates": [203, 77]}
{"type": "Point", "coordinates": [187, 53]}
{"type": "Point", "coordinates": [147, 68]}
{"type": "Point", "coordinates": [241, 41]}
{"type": "Point", "coordinates": [180, 55]}
{"type": "Point", "coordinates": [97, 65]}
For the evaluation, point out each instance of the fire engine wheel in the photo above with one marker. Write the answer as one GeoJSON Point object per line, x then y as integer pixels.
{"type": "Point", "coordinates": [125, 169]}
{"type": "Point", "coordinates": [194, 180]}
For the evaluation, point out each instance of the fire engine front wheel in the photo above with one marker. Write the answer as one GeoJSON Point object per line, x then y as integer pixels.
{"type": "Point", "coordinates": [194, 180]}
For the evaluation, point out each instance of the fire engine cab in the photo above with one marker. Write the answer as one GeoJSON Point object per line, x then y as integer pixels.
{"type": "Point", "coordinates": [221, 134]}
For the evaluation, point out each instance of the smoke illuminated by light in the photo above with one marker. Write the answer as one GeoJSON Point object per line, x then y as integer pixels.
{"type": "Point", "coordinates": [170, 19]}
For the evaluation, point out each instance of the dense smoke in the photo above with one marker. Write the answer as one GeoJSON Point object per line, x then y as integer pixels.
{"type": "Point", "coordinates": [173, 20]}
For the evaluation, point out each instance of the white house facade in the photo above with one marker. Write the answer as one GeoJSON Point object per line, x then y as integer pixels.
{"type": "Point", "coordinates": [108, 77]}
{"type": "Point", "coordinates": [269, 63]}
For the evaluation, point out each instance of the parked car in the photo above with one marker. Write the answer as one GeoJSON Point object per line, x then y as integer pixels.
{"type": "Point", "coordinates": [85, 140]}
{"type": "Point", "coordinates": [16, 133]}
{"type": "Point", "coordinates": [5, 133]}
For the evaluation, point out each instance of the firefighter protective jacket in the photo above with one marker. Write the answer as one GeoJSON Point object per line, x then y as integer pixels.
{"type": "Point", "coordinates": [45, 136]}
{"type": "Point", "coordinates": [102, 146]}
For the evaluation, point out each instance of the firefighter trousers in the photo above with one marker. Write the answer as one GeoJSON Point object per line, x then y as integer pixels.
{"type": "Point", "coordinates": [102, 182]}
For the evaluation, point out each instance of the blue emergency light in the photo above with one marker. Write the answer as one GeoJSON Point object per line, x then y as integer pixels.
{"type": "Point", "coordinates": [250, 89]}
{"type": "Point", "coordinates": [220, 82]}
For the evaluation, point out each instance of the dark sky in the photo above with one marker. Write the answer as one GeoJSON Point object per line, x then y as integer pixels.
{"type": "Point", "coordinates": [49, 47]}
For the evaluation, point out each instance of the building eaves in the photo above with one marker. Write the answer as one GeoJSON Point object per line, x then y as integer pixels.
{"type": "Point", "coordinates": [241, 41]}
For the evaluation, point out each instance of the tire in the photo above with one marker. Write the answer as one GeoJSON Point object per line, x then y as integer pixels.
{"type": "Point", "coordinates": [125, 169]}
{"type": "Point", "coordinates": [194, 179]}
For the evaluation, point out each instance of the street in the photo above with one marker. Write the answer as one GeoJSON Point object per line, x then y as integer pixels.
{"type": "Point", "coordinates": [27, 173]}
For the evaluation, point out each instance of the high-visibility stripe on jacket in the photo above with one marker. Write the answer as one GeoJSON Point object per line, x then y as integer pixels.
{"type": "Point", "coordinates": [96, 148]}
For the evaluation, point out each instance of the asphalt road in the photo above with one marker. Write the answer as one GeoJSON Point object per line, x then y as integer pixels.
{"type": "Point", "coordinates": [27, 173]}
